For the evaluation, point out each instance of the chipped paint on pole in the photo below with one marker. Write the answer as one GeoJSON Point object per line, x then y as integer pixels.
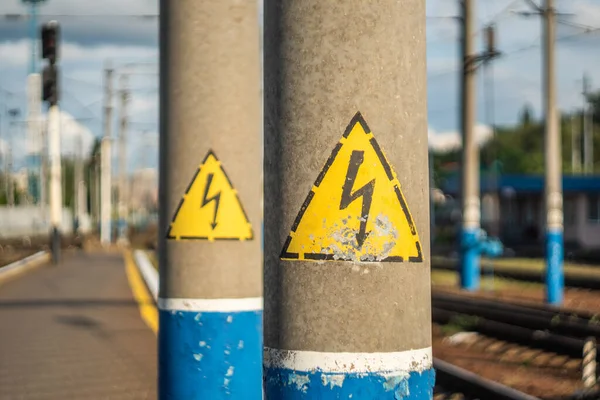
{"type": "Point", "coordinates": [373, 221]}
{"type": "Point", "coordinates": [304, 374]}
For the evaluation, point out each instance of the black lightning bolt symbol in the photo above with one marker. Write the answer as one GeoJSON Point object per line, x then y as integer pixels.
{"type": "Point", "coordinates": [216, 198]}
{"type": "Point", "coordinates": [356, 160]}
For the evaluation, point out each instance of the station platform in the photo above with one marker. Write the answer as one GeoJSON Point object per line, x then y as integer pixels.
{"type": "Point", "coordinates": [74, 331]}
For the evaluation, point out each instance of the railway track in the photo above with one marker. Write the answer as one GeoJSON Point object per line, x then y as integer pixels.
{"type": "Point", "coordinates": [545, 328]}
{"type": "Point", "coordinates": [570, 323]}
{"type": "Point", "coordinates": [452, 381]}
{"type": "Point", "coordinates": [576, 281]}
{"type": "Point", "coordinates": [533, 331]}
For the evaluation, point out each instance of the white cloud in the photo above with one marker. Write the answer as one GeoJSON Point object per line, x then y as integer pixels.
{"type": "Point", "coordinates": [96, 22]}
{"type": "Point", "coordinates": [451, 140]}
{"type": "Point", "coordinates": [86, 7]}
{"type": "Point", "coordinates": [3, 148]}
{"type": "Point", "coordinates": [16, 53]}
{"type": "Point", "coordinates": [144, 104]}
{"type": "Point", "coordinates": [71, 133]}
{"type": "Point", "coordinates": [76, 53]}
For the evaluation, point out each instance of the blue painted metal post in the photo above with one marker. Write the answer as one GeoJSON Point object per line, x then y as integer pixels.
{"type": "Point", "coordinates": [471, 211]}
{"type": "Point", "coordinates": [123, 192]}
{"type": "Point", "coordinates": [34, 177]}
{"type": "Point", "coordinates": [347, 282]}
{"type": "Point", "coordinates": [33, 36]}
{"type": "Point", "coordinates": [210, 300]}
{"type": "Point", "coordinates": [553, 190]}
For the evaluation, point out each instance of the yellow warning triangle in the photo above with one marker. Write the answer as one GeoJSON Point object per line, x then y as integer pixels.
{"type": "Point", "coordinates": [355, 211]}
{"type": "Point", "coordinates": [210, 208]}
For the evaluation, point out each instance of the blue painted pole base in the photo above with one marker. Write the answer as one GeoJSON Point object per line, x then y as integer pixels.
{"type": "Point", "coordinates": [469, 259]}
{"type": "Point", "coordinates": [286, 384]}
{"type": "Point", "coordinates": [555, 279]}
{"type": "Point", "coordinates": [210, 355]}
{"type": "Point", "coordinates": [122, 228]}
{"type": "Point", "coordinates": [304, 375]}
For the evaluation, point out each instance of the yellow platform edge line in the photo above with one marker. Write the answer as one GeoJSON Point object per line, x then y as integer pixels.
{"type": "Point", "coordinates": [146, 304]}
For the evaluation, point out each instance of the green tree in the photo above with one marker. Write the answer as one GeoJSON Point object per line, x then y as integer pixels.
{"type": "Point", "coordinates": [518, 149]}
{"type": "Point", "coordinates": [526, 116]}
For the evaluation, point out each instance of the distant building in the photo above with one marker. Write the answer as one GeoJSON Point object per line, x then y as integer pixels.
{"type": "Point", "coordinates": [143, 190]}
{"type": "Point", "coordinates": [20, 179]}
{"type": "Point", "coordinates": [512, 207]}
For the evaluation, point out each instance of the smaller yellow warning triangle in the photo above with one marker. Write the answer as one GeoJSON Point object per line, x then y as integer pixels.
{"type": "Point", "coordinates": [355, 210]}
{"type": "Point", "coordinates": [210, 208]}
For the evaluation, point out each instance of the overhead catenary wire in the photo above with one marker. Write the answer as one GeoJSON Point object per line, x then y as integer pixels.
{"type": "Point", "coordinates": [578, 25]}
{"type": "Point", "coordinates": [83, 106]}
{"type": "Point", "coordinates": [19, 16]}
{"type": "Point", "coordinates": [82, 82]}
{"type": "Point", "coordinates": [536, 44]}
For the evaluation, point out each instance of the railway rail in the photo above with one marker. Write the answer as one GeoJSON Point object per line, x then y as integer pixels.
{"type": "Point", "coordinates": [546, 329]}
{"type": "Point", "coordinates": [570, 323]}
{"type": "Point", "coordinates": [452, 380]}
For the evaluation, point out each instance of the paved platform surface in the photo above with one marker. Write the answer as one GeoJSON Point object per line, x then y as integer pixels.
{"type": "Point", "coordinates": [74, 332]}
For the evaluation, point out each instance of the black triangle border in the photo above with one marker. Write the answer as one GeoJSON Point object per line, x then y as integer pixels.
{"type": "Point", "coordinates": [357, 119]}
{"type": "Point", "coordinates": [169, 236]}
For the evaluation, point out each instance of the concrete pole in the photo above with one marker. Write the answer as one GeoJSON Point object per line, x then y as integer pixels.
{"type": "Point", "coordinates": [106, 163]}
{"type": "Point", "coordinates": [34, 110]}
{"type": "Point", "coordinates": [82, 190]}
{"type": "Point", "coordinates": [34, 106]}
{"type": "Point", "coordinates": [347, 282]}
{"type": "Point", "coordinates": [9, 167]}
{"type": "Point", "coordinates": [5, 129]}
{"type": "Point", "coordinates": [588, 142]}
{"type": "Point", "coordinates": [210, 301]}
{"type": "Point", "coordinates": [97, 202]}
{"type": "Point", "coordinates": [92, 194]}
{"type": "Point", "coordinates": [79, 183]}
{"type": "Point", "coordinates": [471, 211]}
{"type": "Point", "coordinates": [55, 181]}
{"type": "Point", "coordinates": [553, 161]}
{"type": "Point", "coordinates": [6, 174]}
{"type": "Point", "coordinates": [431, 200]}
{"type": "Point", "coordinates": [44, 173]}
{"type": "Point", "coordinates": [63, 166]}
{"type": "Point", "coordinates": [575, 145]}
{"type": "Point", "coordinates": [123, 192]}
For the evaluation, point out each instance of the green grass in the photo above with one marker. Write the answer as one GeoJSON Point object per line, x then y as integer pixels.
{"type": "Point", "coordinates": [450, 278]}
{"type": "Point", "coordinates": [459, 323]}
{"type": "Point", "coordinates": [529, 264]}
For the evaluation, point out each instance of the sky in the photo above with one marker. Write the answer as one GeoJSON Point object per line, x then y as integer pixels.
{"type": "Point", "coordinates": [125, 33]}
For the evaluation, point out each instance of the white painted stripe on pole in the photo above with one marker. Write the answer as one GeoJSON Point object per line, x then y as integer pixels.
{"type": "Point", "coordinates": [149, 273]}
{"type": "Point", "coordinates": [377, 363]}
{"type": "Point", "coordinates": [22, 264]}
{"type": "Point", "coordinates": [212, 305]}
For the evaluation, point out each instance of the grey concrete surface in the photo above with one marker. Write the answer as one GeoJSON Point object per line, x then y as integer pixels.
{"type": "Point", "coordinates": [210, 100]}
{"type": "Point", "coordinates": [73, 331]}
{"type": "Point", "coordinates": [324, 62]}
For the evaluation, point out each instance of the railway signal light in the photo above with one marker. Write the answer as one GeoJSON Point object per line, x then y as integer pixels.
{"type": "Point", "coordinates": [50, 39]}
{"type": "Point", "coordinates": [50, 84]}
